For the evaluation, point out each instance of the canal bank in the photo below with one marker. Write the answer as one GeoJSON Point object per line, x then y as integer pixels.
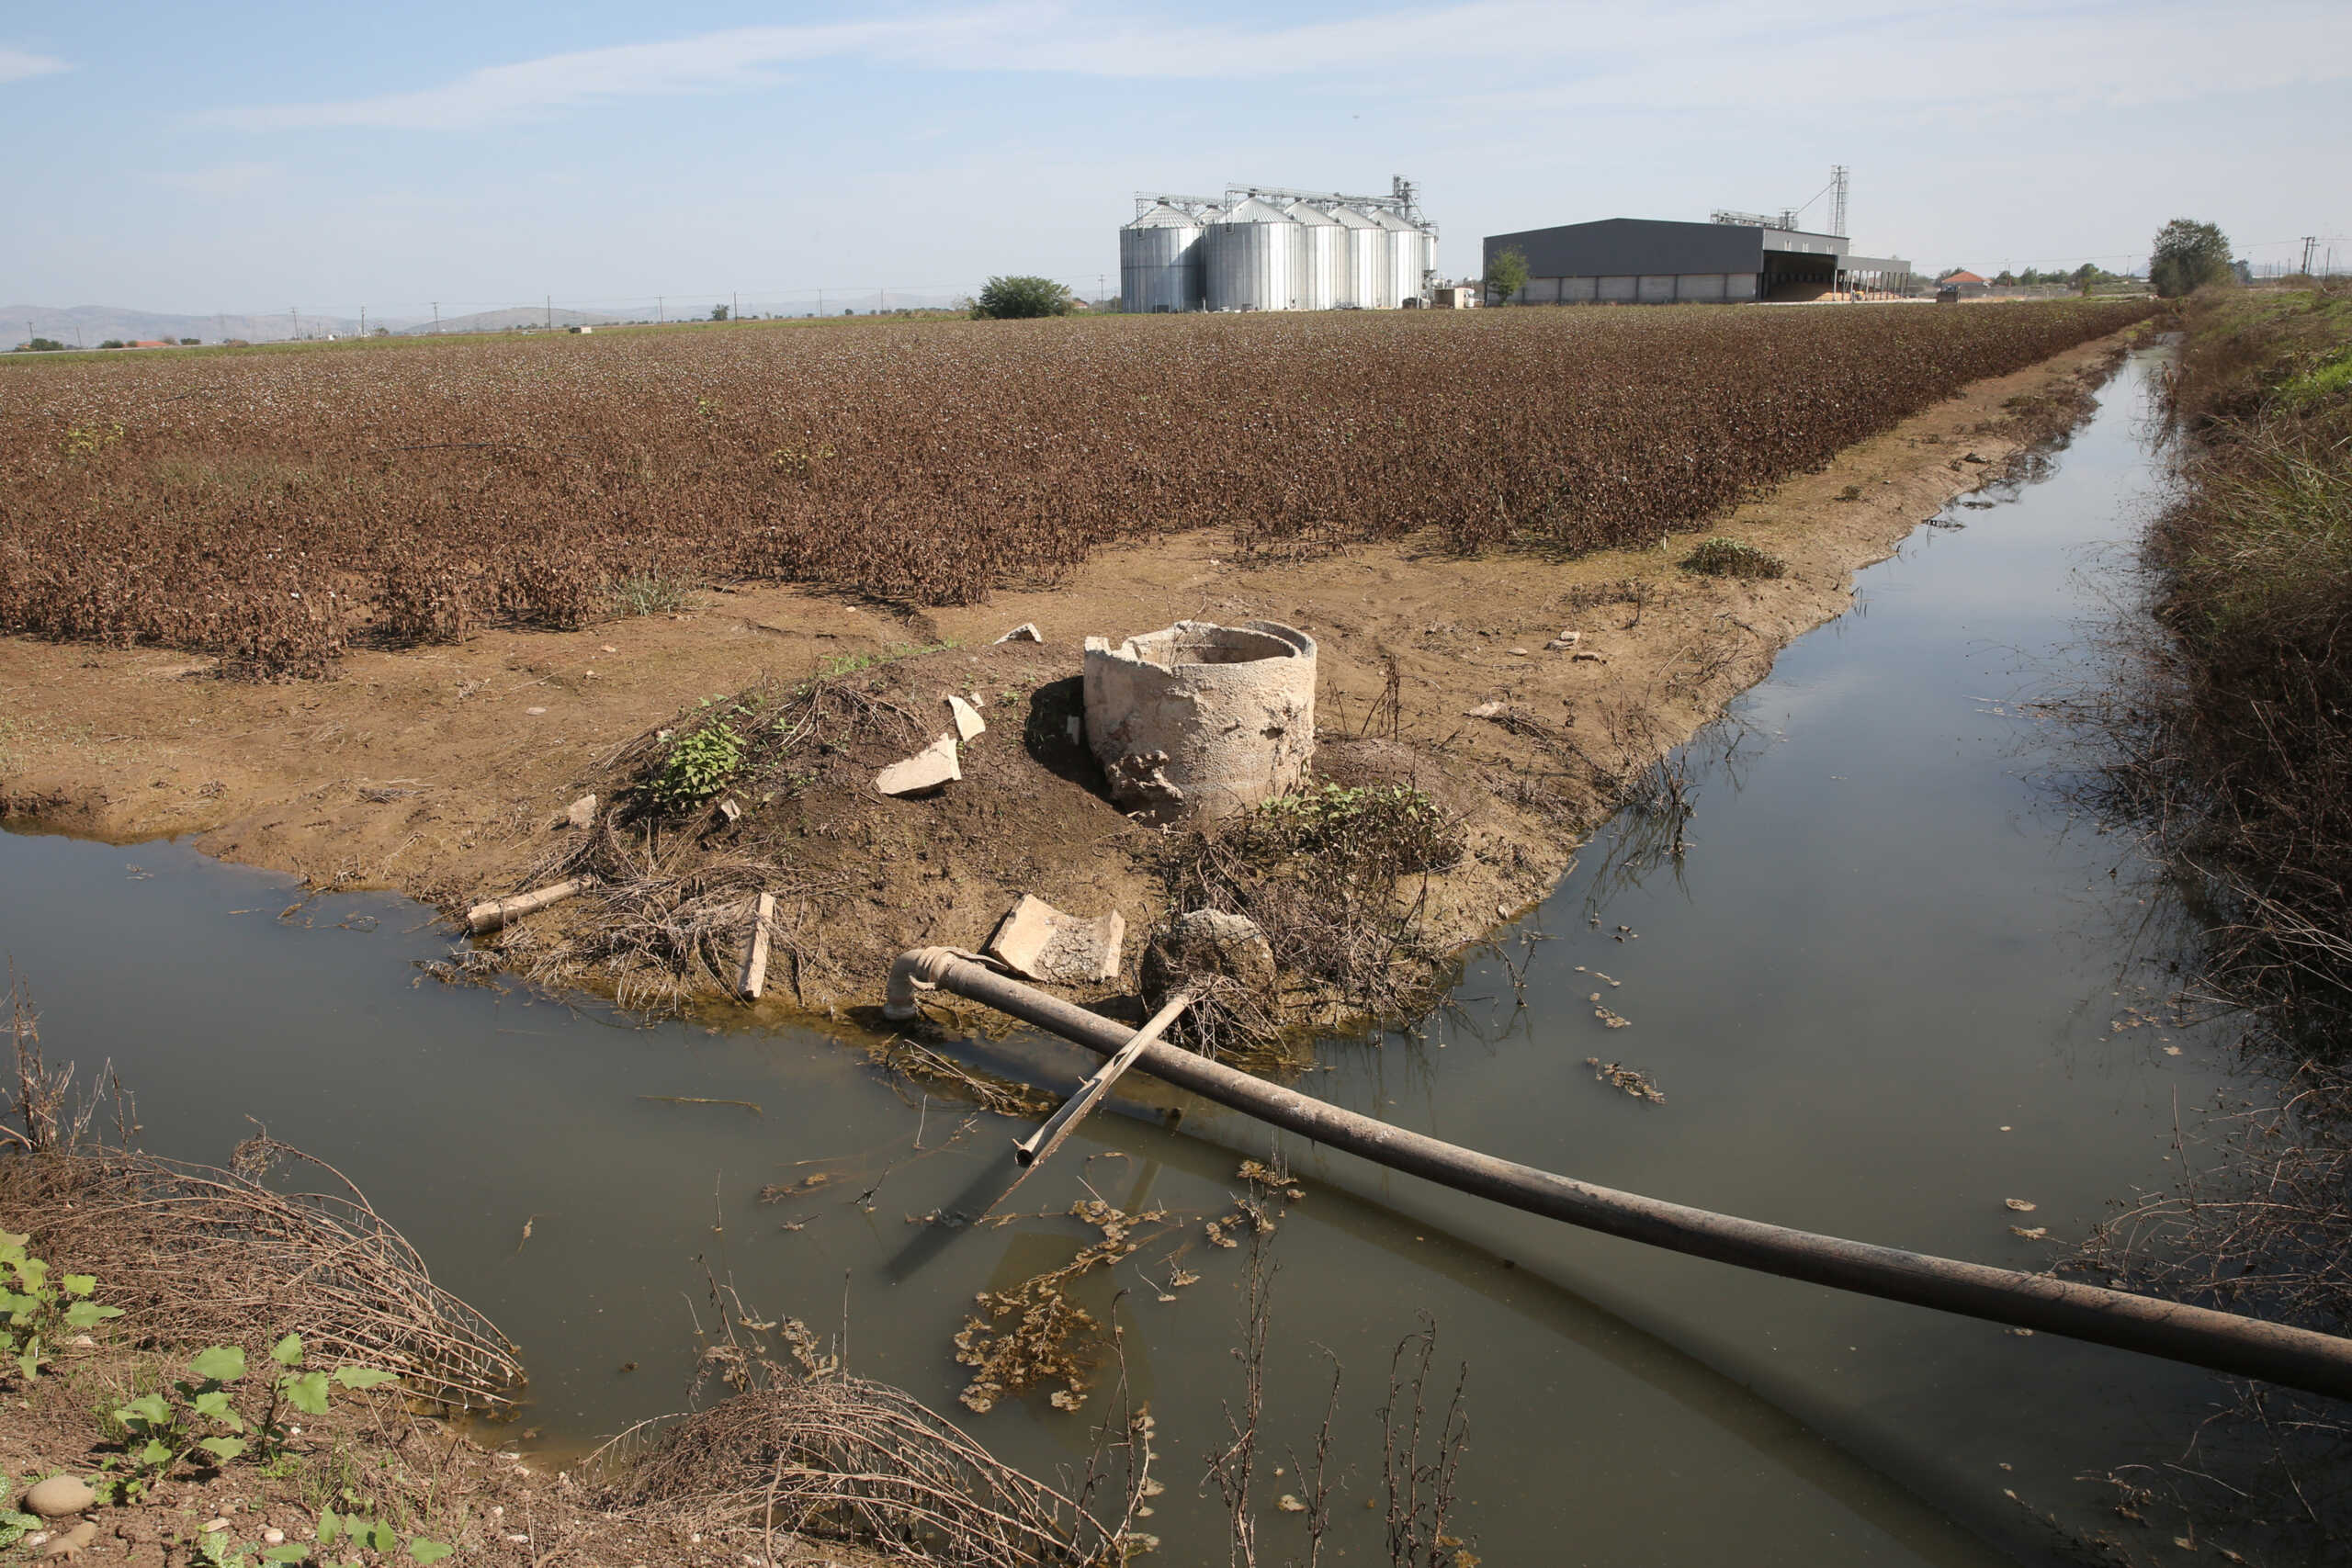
{"type": "Point", "coordinates": [1888, 991]}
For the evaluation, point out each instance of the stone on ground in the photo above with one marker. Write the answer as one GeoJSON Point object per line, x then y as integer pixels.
{"type": "Point", "coordinates": [968, 722]}
{"type": "Point", "coordinates": [59, 1496]}
{"type": "Point", "coordinates": [582, 812]}
{"type": "Point", "coordinates": [1025, 632]}
{"type": "Point", "coordinates": [926, 770]}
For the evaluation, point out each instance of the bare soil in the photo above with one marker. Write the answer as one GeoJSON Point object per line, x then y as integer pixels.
{"type": "Point", "coordinates": [444, 773]}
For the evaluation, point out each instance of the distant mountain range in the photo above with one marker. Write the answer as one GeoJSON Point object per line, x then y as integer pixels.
{"type": "Point", "coordinates": [88, 326]}
{"type": "Point", "coordinates": [504, 321]}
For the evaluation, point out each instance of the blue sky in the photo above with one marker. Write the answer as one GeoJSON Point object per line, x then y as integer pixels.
{"type": "Point", "coordinates": [249, 157]}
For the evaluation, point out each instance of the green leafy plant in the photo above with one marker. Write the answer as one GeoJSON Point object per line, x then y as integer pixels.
{"type": "Point", "coordinates": [306, 1391]}
{"type": "Point", "coordinates": [14, 1526]}
{"type": "Point", "coordinates": [39, 1308]}
{"type": "Point", "coordinates": [1394, 824]}
{"type": "Point", "coordinates": [699, 765]}
{"type": "Point", "coordinates": [161, 1431]}
{"type": "Point", "coordinates": [374, 1533]}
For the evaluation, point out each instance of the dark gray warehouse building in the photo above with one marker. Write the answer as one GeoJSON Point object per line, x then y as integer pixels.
{"type": "Point", "coordinates": [1630, 261]}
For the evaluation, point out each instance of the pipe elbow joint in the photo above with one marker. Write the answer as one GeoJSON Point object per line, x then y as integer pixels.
{"type": "Point", "coordinates": [912, 973]}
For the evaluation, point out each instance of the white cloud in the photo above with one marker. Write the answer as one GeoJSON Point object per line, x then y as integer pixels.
{"type": "Point", "coordinates": [1695, 54]}
{"type": "Point", "coordinates": [226, 179]}
{"type": "Point", "coordinates": [15, 64]}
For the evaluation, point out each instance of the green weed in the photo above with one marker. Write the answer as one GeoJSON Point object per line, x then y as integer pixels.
{"type": "Point", "coordinates": [1719, 557]}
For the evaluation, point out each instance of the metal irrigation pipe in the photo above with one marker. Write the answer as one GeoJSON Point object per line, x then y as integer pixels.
{"type": "Point", "coordinates": [2245, 1346]}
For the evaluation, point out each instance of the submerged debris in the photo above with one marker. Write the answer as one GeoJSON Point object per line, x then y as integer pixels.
{"type": "Point", "coordinates": [1631, 1080]}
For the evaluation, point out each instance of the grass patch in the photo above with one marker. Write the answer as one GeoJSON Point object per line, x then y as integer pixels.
{"type": "Point", "coordinates": [1719, 557]}
{"type": "Point", "coordinates": [652, 593]}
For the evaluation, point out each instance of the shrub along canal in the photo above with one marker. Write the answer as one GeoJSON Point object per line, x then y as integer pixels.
{"type": "Point", "coordinates": [1890, 992]}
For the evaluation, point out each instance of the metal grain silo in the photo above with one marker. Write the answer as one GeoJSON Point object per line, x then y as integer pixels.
{"type": "Point", "coordinates": [1404, 279]}
{"type": "Point", "coordinates": [1374, 245]}
{"type": "Point", "coordinates": [1428, 247]}
{"type": "Point", "coordinates": [1160, 261]}
{"type": "Point", "coordinates": [1251, 261]}
{"type": "Point", "coordinates": [1322, 246]}
{"type": "Point", "coordinates": [1361, 257]}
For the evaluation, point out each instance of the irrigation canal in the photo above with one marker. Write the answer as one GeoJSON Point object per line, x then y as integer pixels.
{"type": "Point", "coordinates": [1880, 994]}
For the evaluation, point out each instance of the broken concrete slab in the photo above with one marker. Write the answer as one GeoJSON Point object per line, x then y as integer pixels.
{"type": "Point", "coordinates": [926, 770]}
{"type": "Point", "coordinates": [1025, 632]}
{"type": "Point", "coordinates": [968, 722]}
{"type": "Point", "coordinates": [1041, 942]}
{"type": "Point", "coordinates": [1564, 642]}
{"type": "Point", "coordinates": [580, 813]}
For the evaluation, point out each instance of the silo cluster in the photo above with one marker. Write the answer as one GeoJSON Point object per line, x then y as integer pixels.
{"type": "Point", "coordinates": [1266, 250]}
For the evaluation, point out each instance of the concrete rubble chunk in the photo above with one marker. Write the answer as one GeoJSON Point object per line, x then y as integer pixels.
{"type": "Point", "coordinates": [1483, 710]}
{"type": "Point", "coordinates": [732, 810]}
{"type": "Point", "coordinates": [1587, 656]}
{"type": "Point", "coordinates": [1025, 632]}
{"type": "Point", "coordinates": [1041, 942]}
{"type": "Point", "coordinates": [580, 813]}
{"type": "Point", "coordinates": [968, 722]}
{"type": "Point", "coordinates": [1564, 642]}
{"type": "Point", "coordinates": [926, 770]}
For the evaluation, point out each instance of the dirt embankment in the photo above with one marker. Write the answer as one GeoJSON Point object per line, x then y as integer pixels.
{"type": "Point", "coordinates": [441, 772]}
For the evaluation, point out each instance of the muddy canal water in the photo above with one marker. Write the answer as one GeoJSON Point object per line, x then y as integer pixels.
{"type": "Point", "coordinates": [1880, 993]}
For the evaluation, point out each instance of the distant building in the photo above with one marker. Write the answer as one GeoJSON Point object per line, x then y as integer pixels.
{"type": "Point", "coordinates": [1459, 295]}
{"type": "Point", "coordinates": [1629, 261]}
{"type": "Point", "coordinates": [1965, 284]}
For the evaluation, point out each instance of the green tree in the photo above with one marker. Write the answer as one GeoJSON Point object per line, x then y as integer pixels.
{"type": "Point", "coordinates": [1505, 275]}
{"type": "Point", "coordinates": [2187, 257]}
{"type": "Point", "coordinates": [1014, 298]}
{"type": "Point", "coordinates": [718, 312]}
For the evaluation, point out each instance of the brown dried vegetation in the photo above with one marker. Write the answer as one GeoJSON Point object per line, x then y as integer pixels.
{"type": "Point", "coordinates": [274, 509]}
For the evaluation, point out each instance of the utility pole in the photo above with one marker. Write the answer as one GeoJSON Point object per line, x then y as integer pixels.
{"type": "Point", "coordinates": [550, 312]}
{"type": "Point", "coordinates": [736, 313]}
{"type": "Point", "coordinates": [2311, 242]}
{"type": "Point", "coordinates": [363, 320]}
{"type": "Point", "coordinates": [294, 314]}
{"type": "Point", "coordinates": [661, 309]}
{"type": "Point", "coordinates": [437, 318]}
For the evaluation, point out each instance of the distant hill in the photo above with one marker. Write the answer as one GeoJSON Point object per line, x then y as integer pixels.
{"type": "Point", "coordinates": [90, 325]}
{"type": "Point", "coordinates": [506, 320]}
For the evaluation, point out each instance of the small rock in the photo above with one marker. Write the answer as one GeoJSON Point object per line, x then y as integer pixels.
{"type": "Point", "coordinates": [730, 810]}
{"type": "Point", "coordinates": [73, 1543]}
{"type": "Point", "coordinates": [1586, 656]}
{"type": "Point", "coordinates": [1025, 632]}
{"type": "Point", "coordinates": [1973, 458]}
{"type": "Point", "coordinates": [535, 710]}
{"type": "Point", "coordinates": [1519, 653]}
{"type": "Point", "coordinates": [580, 813]}
{"type": "Point", "coordinates": [968, 722]}
{"type": "Point", "coordinates": [1564, 641]}
{"type": "Point", "coordinates": [59, 1496]}
{"type": "Point", "coordinates": [1483, 710]}
{"type": "Point", "coordinates": [212, 1525]}
{"type": "Point", "coordinates": [926, 770]}
{"type": "Point", "coordinates": [609, 647]}
{"type": "Point", "coordinates": [273, 1538]}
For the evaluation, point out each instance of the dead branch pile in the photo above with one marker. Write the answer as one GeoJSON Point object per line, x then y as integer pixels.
{"type": "Point", "coordinates": [841, 1459]}
{"type": "Point", "coordinates": [195, 1255]}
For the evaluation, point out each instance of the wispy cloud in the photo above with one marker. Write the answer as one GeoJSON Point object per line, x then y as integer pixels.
{"type": "Point", "coordinates": [1598, 53]}
{"type": "Point", "coordinates": [15, 64]}
{"type": "Point", "coordinates": [226, 179]}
